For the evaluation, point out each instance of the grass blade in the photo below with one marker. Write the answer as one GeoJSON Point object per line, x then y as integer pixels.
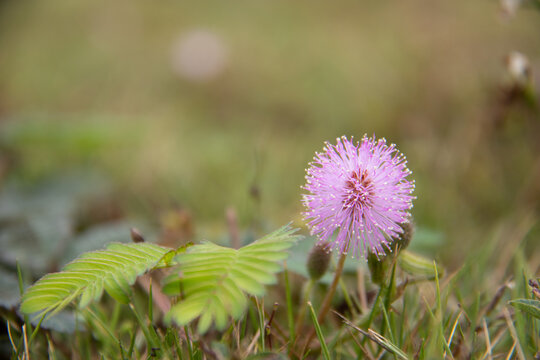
{"type": "Point", "coordinates": [324, 348]}
{"type": "Point", "coordinates": [290, 315]}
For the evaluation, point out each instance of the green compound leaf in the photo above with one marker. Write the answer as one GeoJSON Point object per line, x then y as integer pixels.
{"type": "Point", "coordinates": [214, 281]}
{"type": "Point", "coordinates": [113, 270]}
{"type": "Point", "coordinates": [531, 307]}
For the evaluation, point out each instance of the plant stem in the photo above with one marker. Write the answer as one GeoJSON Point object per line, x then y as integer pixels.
{"type": "Point", "coordinates": [305, 298]}
{"type": "Point", "coordinates": [260, 308]}
{"type": "Point", "coordinates": [325, 307]}
{"type": "Point", "coordinates": [290, 316]}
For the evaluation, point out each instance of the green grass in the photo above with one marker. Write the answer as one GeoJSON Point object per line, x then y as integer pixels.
{"type": "Point", "coordinates": [429, 319]}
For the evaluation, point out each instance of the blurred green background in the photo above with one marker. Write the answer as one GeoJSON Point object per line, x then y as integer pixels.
{"type": "Point", "coordinates": [205, 106]}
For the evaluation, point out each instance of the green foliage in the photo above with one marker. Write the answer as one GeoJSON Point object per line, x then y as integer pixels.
{"type": "Point", "coordinates": [531, 307]}
{"type": "Point", "coordinates": [214, 280]}
{"type": "Point", "coordinates": [112, 270]}
{"type": "Point", "coordinates": [43, 216]}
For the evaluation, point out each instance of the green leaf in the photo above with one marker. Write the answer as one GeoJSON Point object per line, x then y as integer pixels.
{"type": "Point", "coordinates": [215, 280]}
{"type": "Point", "coordinates": [85, 278]}
{"type": "Point", "coordinates": [531, 307]}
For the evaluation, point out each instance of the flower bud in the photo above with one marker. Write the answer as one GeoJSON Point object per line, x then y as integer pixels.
{"type": "Point", "coordinates": [378, 264]}
{"type": "Point", "coordinates": [136, 235]}
{"type": "Point", "coordinates": [318, 260]}
{"type": "Point", "coordinates": [403, 240]}
{"type": "Point", "coordinates": [418, 265]}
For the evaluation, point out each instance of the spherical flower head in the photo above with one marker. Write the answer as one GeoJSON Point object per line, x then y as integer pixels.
{"type": "Point", "coordinates": [361, 191]}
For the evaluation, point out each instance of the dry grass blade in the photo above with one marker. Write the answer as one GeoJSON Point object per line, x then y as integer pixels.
{"type": "Point", "coordinates": [252, 344]}
{"type": "Point", "coordinates": [11, 338]}
{"type": "Point", "coordinates": [511, 352]}
{"type": "Point", "coordinates": [365, 350]}
{"type": "Point", "coordinates": [25, 338]}
{"type": "Point", "coordinates": [496, 299]}
{"type": "Point", "coordinates": [488, 342]}
{"type": "Point", "coordinates": [454, 328]}
{"type": "Point", "coordinates": [375, 337]}
{"type": "Point", "coordinates": [495, 341]}
{"type": "Point", "coordinates": [513, 332]}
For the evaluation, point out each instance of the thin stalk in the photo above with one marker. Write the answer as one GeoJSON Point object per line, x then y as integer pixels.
{"type": "Point", "coordinates": [388, 297]}
{"type": "Point", "coordinates": [387, 322]}
{"type": "Point", "coordinates": [439, 312]}
{"type": "Point", "coordinates": [306, 295]}
{"type": "Point", "coordinates": [325, 307]}
{"type": "Point", "coordinates": [122, 352]}
{"type": "Point", "coordinates": [150, 304]}
{"type": "Point", "coordinates": [268, 326]}
{"type": "Point", "coordinates": [374, 308]}
{"type": "Point", "coordinates": [26, 350]}
{"type": "Point", "coordinates": [50, 348]}
{"type": "Point", "coordinates": [27, 324]}
{"type": "Point", "coordinates": [15, 349]}
{"type": "Point", "coordinates": [346, 296]}
{"type": "Point", "coordinates": [513, 333]}
{"type": "Point", "coordinates": [148, 331]}
{"type": "Point", "coordinates": [260, 310]}
{"type": "Point", "coordinates": [243, 329]}
{"type": "Point", "coordinates": [103, 325]}
{"type": "Point", "coordinates": [132, 344]}
{"type": "Point", "coordinates": [189, 343]}
{"type": "Point", "coordinates": [253, 316]}
{"type": "Point", "coordinates": [324, 348]}
{"type": "Point", "coordinates": [177, 346]}
{"type": "Point", "coordinates": [35, 332]}
{"type": "Point", "coordinates": [451, 337]}
{"type": "Point", "coordinates": [437, 322]}
{"type": "Point", "coordinates": [21, 292]}
{"type": "Point", "coordinates": [489, 355]}
{"type": "Point", "coordinates": [115, 315]}
{"type": "Point", "coordinates": [290, 315]}
{"type": "Point", "coordinates": [511, 352]}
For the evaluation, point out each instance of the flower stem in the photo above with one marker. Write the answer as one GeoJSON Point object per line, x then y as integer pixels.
{"type": "Point", "coordinates": [325, 307]}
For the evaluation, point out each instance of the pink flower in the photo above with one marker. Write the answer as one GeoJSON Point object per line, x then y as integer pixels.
{"type": "Point", "coordinates": [361, 191]}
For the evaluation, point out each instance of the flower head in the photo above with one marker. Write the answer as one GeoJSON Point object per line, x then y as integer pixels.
{"type": "Point", "coordinates": [361, 191]}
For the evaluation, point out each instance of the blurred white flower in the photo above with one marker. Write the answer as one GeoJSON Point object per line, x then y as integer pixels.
{"type": "Point", "coordinates": [518, 67]}
{"type": "Point", "coordinates": [199, 55]}
{"type": "Point", "coordinates": [509, 7]}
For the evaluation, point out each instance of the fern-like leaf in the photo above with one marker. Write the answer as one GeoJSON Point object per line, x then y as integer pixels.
{"type": "Point", "coordinates": [214, 281]}
{"type": "Point", "coordinates": [113, 270]}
